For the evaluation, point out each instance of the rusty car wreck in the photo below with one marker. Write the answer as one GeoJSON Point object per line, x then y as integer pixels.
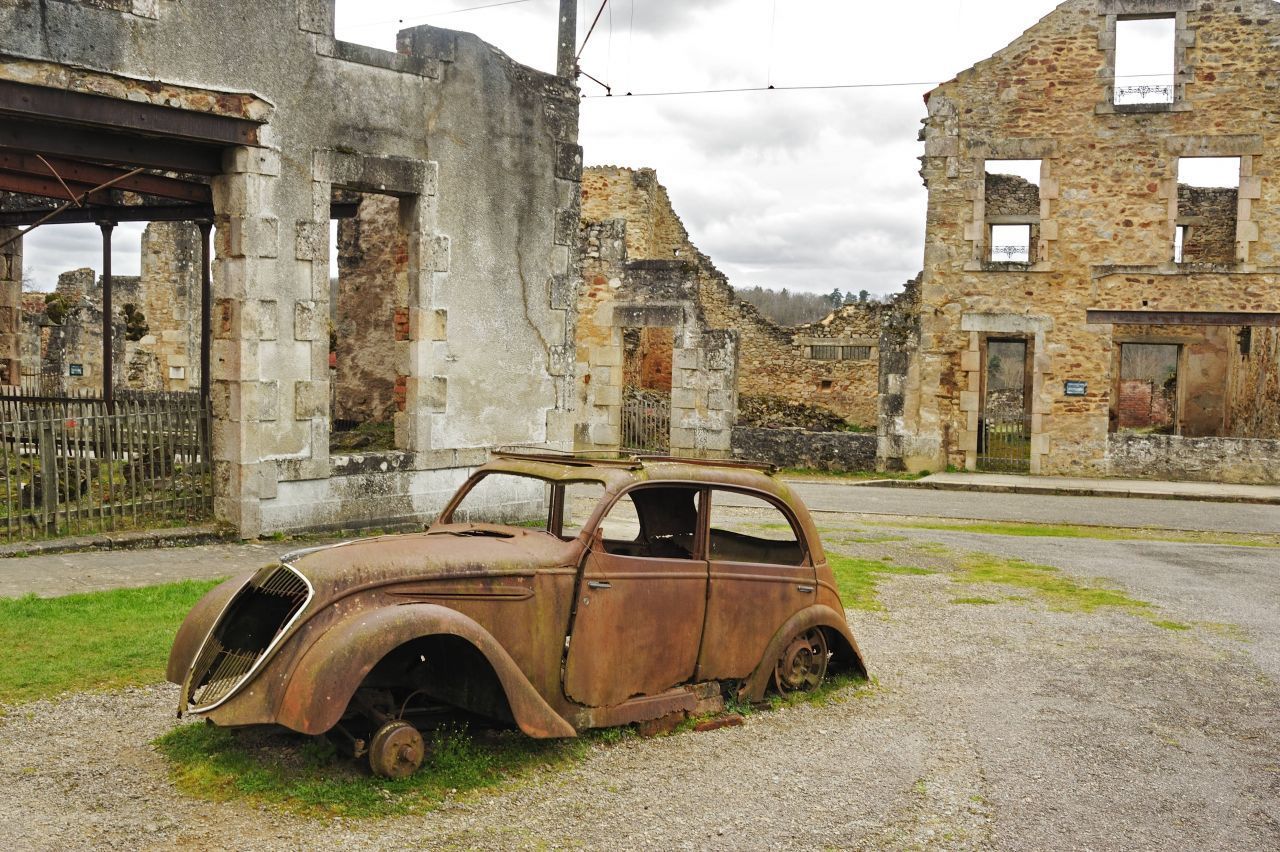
{"type": "Point", "coordinates": [600, 592]}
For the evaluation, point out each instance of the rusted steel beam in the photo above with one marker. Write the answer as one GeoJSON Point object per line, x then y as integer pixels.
{"type": "Point", "coordinates": [1233, 318]}
{"type": "Point", "coordinates": [94, 213]}
{"type": "Point", "coordinates": [45, 187]}
{"type": "Point", "coordinates": [84, 109]}
{"type": "Point", "coordinates": [92, 174]}
{"type": "Point", "coordinates": [110, 148]}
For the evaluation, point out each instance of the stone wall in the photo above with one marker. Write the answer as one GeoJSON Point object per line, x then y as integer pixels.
{"type": "Point", "coordinates": [658, 298]}
{"type": "Point", "coordinates": [1255, 384]}
{"type": "Point", "coordinates": [10, 307]}
{"type": "Point", "coordinates": [1246, 460]}
{"type": "Point", "coordinates": [1210, 216]}
{"type": "Point", "coordinates": [481, 151]}
{"type": "Point", "coordinates": [896, 439]}
{"type": "Point", "coordinates": [773, 361]}
{"type": "Point", "coordinates": [1108, 214]}
{"type": "Point", "coordinates": [373, 289]}
{"type": "Point", "coordinates": [796, 448]}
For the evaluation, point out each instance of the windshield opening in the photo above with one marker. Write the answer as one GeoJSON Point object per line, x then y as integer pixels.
{"type": "Point", "coordinates": [530, 502]}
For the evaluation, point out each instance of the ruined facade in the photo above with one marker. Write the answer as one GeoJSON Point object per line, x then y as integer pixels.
{"type": "Point", "coordinates": [481, 158]}
{"type": "Point", "coordinates": [1125, 265]}
{"type": "Point", "coordinates": [156, 323]}
{"type": "Point", "coordinates": [832, 364]}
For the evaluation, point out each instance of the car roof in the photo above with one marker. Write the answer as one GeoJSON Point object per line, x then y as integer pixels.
{"type": "Point", "coordinates": [617, 471]}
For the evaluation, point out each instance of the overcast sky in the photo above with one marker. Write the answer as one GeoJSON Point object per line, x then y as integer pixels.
{"type": "Point", "coordinates": [805, 190]}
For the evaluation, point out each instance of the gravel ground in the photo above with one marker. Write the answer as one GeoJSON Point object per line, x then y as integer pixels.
{"type": "Point", "coordinates": [1003, 726]}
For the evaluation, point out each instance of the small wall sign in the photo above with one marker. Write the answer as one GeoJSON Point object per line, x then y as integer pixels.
{"type": "Point", "coordinates": [1076, 388]}
{"type": "Point", "coordinates": [75, 369]}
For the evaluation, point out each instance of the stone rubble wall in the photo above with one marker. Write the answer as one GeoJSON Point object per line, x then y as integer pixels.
{"type": "Point", "coordinates": [1245, 460]}
{"type": "Point", "coordinates": [1255, 384]}
{"type": "Point", "coordinates": [797, 448]}
{"type": "Point", "coordinates": [1210, 213]}
{"type": "Point", "coordinates": [773, 361]}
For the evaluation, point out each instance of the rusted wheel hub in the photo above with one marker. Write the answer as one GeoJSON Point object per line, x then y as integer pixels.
{"type": "Point", "coordinates": [396, 750]}
{"type": "Point", "coordinates": [803, 663]}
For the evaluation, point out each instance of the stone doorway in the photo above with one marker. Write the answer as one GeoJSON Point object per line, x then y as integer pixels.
{"type": "Point", "coordinates": [1004, 429]}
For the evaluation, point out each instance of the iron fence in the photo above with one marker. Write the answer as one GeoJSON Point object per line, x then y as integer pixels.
{"type": "Point", "coordinates": [74, 466]}
{"type": "Point", "coordinates": [646, 423]}
{"type": "Point", "coordinates": [1004, 442]}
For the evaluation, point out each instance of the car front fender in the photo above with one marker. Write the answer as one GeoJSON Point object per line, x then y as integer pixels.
{"type": "Point", "coordinates": [328, 673]}
{"type": "Point", "coordinates": [845, 647]}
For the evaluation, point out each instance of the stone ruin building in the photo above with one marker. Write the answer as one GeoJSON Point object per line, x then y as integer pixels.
{"type": "Point", "coordinates": [267, 127]}
{"type": "Point", "coordinates": [156, 339]}
{"type": "Point", "coordinates": [1084, 310]}
{"type": "Point", "coordinates": [655, 315]}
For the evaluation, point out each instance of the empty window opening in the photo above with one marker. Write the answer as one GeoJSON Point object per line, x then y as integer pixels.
{"type": "Point", "coordinates": [368, 322]}
{"type": "Point", "coordinates": [746, 528]}
{"type": "Point", "coordinates": [1011, 243]}
{"type": "Point", "coordinates": [1012, 210]}
{"type": "Point", "coordinates": [653, 523]}
{"type": "Point", "coordinates": [826, 385]}
{"type": "Point", "coordinates": [1145, 61]}
{"type": "Point", "coordinates": [1147, 397]}
{"type": "Point", "coordinates": [1208, 205]}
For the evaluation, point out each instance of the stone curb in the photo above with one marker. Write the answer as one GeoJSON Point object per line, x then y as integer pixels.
{"type": "Point", "coordinates": [133, 540]}
{"type": "Point", "coordinates": [1066, 492]}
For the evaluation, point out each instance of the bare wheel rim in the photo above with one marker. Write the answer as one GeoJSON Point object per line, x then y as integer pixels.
{"type": "Point", "coordinates": [396, 750]}
{"type": "Point", "coordinates": [803, 663]}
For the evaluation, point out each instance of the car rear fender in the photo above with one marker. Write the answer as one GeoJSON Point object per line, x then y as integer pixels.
{"type": "Point", "coordinates": [196, 626]}
{"type": "Point", "coordinates": [845, 652]}
{"type": "Point", "coordinates": [328, 673]}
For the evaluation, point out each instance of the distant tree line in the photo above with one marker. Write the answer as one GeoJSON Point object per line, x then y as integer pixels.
{"type": "Point", "coordinates": [788, 308]}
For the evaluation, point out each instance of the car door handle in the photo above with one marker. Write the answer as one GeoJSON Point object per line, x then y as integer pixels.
{"type": "Point", "coordinates": [599, 584]}
{"type": "Point", "coordinates": [806, 589]}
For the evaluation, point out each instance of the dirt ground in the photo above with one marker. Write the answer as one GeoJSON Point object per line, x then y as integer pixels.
{"type": "Point", "coordinates": [1006, 725]}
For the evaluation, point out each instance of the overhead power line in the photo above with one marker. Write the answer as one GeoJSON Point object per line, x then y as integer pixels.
{"type": "Point", "coordinates": [827, 86]}
{"type": "Point", "coordinates": [436, 14]}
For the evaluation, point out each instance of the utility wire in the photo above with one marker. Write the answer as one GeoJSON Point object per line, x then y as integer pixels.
{"type": "Point", "coordinates": [436, 14]}
{"type": "Point", "coordinates": [827, 86]}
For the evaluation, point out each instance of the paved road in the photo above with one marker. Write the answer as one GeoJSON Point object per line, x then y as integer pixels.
{"type": "Point", "coordinates": [1052, 509]}
{"type": "Point", "coordinates": [1223, 587]}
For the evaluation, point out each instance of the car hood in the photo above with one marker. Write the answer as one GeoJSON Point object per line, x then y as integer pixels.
{"type": "Point", "coordinates": [454, 551]}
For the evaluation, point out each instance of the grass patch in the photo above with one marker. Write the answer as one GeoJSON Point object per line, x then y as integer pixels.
{"type": "Point", "coordinates": [1054, 589]}
{"type": "Point", "coordinates": [1101, 533]}
{"type": "Point", "coordinates": [99, 640]}
{"type": "Point", "coordinates": [836, 689]}
{"type": "Point", "coordinates": [974, 601]}
{"type": "Point", "coordinates": [306, 775]}
{"type": "Point", "coordinates": [857, 578]}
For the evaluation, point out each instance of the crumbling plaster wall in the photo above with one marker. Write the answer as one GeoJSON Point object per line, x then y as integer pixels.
{"type": "Point", "coordinates": [482, 153]}
{"type": "Point", "coordinates": [772, 361]}
{"type": "Point", "coordinates": [1108, 211]}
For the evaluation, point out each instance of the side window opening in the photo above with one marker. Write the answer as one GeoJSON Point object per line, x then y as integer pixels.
{"type": "Point", "coordinates": [747, 528]}
{"type": "Point", "coordinates": [1012, 204]}
{"type": "Point", "coordinates": [1145, 71]}
{"type": "Point", "coordinates": [657, 523]}
{"type": "Point", "coordinates": [1208, 210]}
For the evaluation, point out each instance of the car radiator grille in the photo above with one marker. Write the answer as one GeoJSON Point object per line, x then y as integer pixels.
{"type": "Point", "coordinates": [248, 630]}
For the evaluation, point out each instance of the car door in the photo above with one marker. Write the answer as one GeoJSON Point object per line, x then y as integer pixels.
{"type": "Point", "coordinates": [641, 599]}
{"type": "Point", "coordinates": [761, 573]}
